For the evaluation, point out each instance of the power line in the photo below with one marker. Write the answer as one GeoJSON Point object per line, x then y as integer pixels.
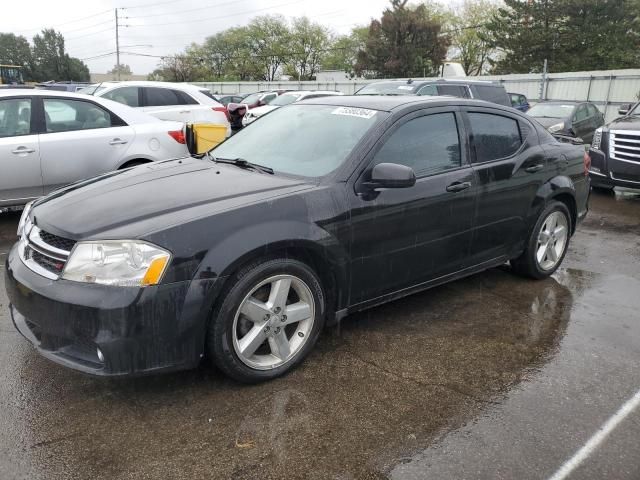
{"type": "Point", "coordinates": [89, 26]}
{"type": "Point", "coordinates": [64, 23]}
{"type": "Point", "coordinates": [110, 29]}
{"type": "Point", "coordinates": [217, 17]}
{"type": "Point", "coordinates": [187, 11]}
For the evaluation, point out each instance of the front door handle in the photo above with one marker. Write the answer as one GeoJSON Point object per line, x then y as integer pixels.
{"type": "Point", "coordinates": [534, 168]}
{"type": "Point", "coordinates": [117, 141]}
{"type": "Point", "coordinates": [20, 150]}
{"type": "Point", "coordinates": [458, 186]}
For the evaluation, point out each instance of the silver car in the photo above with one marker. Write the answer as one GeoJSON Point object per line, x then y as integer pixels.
{"type": "Point", "coordinates": [49, 139]}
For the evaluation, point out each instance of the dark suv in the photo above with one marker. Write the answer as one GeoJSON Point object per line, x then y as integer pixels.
{"type": "Point", "coordinates": [245, 254]}
{"type": "Point", "coordinates": [615, 151]}
{"type": "Point", "coordinates": [480, 90]}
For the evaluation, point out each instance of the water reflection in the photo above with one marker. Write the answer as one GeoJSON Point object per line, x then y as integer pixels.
{"type": "Point", "coordinates": [376, 390]}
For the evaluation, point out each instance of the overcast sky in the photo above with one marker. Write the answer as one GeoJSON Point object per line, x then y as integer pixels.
{"type": "Point", "coordinates": [165, 26]}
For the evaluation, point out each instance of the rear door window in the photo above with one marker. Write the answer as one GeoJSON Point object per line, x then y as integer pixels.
{"type": "Point", "coordinates": [125, 95]}
{"type": "Point", "coordinates": [493, 136]}
{"type": "Point", "coordinates": [15, 117]}
{"type": "Point", "coordinates": [453, 90]}
{"type": "Point", "coordinates": [492, 93]}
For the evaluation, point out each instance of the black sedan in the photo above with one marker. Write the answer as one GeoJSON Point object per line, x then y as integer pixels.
{"type": "Point", "coordinates": [574, 119]}
{"type": "Point", "coordinates": [244, 255]}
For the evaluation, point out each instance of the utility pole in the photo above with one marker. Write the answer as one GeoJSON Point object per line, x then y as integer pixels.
{"type": "Point", "coordinates": [543, 93]}
{"type": "Point", "coordinates": [117, 47]}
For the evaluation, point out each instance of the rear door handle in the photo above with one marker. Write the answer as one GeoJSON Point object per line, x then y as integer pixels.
{"type": "Point", "coordinates": [534, 168]}
{"type": "Point", "coordinates": [20, 150]}
{"type": "Point", "coordinates": [117, 141]}
{"type": "Point", "coordinates": [458, 186]}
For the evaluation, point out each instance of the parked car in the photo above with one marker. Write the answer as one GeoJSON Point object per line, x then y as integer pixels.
{"type": "Point", "coordinates": [178, 102]}
{"type": "Point", "coordinates": [237, 111]}
{"type": "Point", "coordinates": [282, 100]}
{"type": "Point", "coordinates": [245, 258]}
{"type": "Point", "coordinates": [62, 86]}
{"type": "Point", "coordinates": [519, 102]}
{"type": "Point", "coordinates": [49, 139]}
{"type": "Point", "coordinates": [481, 90]}
{"type": "Point", "coordinates": [615, 151]}
{"type": "Point", "coordinates": [575, 119]}
{"type": "Point", "coordinates": [227, 99]}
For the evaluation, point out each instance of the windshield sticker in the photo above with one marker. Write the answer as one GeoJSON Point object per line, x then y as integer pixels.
{"type": "Point", "coordinates": [354, 112]}
{"type": "Point", "coordinates": [405, 87]}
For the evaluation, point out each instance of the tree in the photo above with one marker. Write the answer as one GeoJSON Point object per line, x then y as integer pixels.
{"type": "Point", "coordinates": [308, 45]}
{"type": "Point", "coordinates": [470, 45]}
{"type": "Point", "coordinates": [407, 41]}
{"type": "Point", "coordinates": [178, 68]}
{"type": "Point", "coordinates": [269, 41]}
{"type": "Point", "coordinates": [51, 62]}
{"type": "Point", "coordinates": [15, 50]}
{"type": "Point", "coordinates": [343, 53]}
{"type": "Point", "coordinates": [570, 34]}
{"type": "Point", "coordinates": [124, 70]}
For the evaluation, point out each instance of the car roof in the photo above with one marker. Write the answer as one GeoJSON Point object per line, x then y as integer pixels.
{"type": "Point", "coordinates": [560, 102]}
{"type": "Point", "coordinates": [149, 83]}
{"type": "Point", "coordinates": [461, 81]}
{"type": "Point", "coordinates": [389, 103]}
{"type": "Point", "coordinates": [43, 92]}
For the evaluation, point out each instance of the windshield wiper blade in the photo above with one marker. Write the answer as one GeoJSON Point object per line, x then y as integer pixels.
{"type": "Point", "coordinates": [242, 163]}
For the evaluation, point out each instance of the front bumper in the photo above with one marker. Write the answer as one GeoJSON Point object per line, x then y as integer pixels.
{"type": "Point", "coordinates": [138, 330]}
{"type": "Point", "coordinates": [625, 174]}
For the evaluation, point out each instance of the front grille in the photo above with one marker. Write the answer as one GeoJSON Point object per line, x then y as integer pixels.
{"type": "Point", "coordinates": [625, 146]}
{"type": "Point", "coordinates": [45, 253]}
{"type": "Point", "coordinates": [56, 241]}
{"type": "Point", "coordinates": [48, 263]}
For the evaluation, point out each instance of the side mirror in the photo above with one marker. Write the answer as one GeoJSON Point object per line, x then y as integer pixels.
{"type": "Point", "coordinates": [391, 175]}
{"type": "Point", "coordinates": [624, 109]}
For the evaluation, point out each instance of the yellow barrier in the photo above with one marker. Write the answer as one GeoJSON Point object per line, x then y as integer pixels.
{"type": "Point", "coordinates": [208, 135]}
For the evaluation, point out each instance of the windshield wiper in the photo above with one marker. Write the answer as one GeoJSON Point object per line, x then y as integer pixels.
{"type": "Point", "coordinates": [242, 163]}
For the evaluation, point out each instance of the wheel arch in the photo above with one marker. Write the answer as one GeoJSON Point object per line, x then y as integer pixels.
{"type": "Point", "coordinates": [129, 162]}
{"type": "Point", "coordinates": [561, 189]}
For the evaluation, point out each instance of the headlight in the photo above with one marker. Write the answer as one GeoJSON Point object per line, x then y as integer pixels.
{"type": "Point", "coordinates": [24, 220]}
{"type": "Point", "coordinates": [597, 139]}
{"type": "Point", "coordinates": [117, 263]}
{"type": "Point", "coordinates": [557, 127]}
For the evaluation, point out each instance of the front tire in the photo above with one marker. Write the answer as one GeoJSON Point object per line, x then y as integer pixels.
{"type": "Point", "coordinates": [548, 243]}
{"type": "Point", "coordinates": [267, 321]}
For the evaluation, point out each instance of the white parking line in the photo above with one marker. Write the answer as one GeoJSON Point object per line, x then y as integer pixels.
{"type": "Point", "coordinates": [595, 441]}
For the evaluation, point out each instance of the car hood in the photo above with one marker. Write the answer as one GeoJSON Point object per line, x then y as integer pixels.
{"type": "Point", "coordinates": [263, 109]}
{"type": "Point", "coordinates": [547, 122]}
{"type": "Point", "coordinates": [133, 202]}
{"type": "Point", "coordinates": [625, 123]}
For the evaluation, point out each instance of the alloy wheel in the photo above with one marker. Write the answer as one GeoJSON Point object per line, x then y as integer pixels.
{"type": "Point", "coordinates": [273, 322]}
{"type": "Point", "coordinates": [552, 240]}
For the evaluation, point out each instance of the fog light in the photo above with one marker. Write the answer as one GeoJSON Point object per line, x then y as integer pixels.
{"type": "Point", "coordinates": [100, 355]}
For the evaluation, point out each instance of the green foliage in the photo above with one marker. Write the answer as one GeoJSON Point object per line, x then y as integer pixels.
{"type": "Point", "coordinates": [343, 53]}
{"type": "Point", "coordinates": [571, 34]}
{"type": "Point", "coordinates": [124, 69]}
{"type": "Point", "coordinates": [15, 50]}
{"type": "Point", "coordinates": [406, 42]}
{"type": "Point", "coordinates": [45, 60]}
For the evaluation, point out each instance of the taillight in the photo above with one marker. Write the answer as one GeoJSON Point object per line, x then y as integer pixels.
{"type": "Point", "coordinates": [178, 136]}
{"type": "Point", "coordinates": [223, 110]}
{"type": "Point", "coordinates": [587, 163]}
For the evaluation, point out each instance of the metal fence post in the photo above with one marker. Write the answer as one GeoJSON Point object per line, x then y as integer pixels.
{"type": "Point", "coordinates": [606, 102]}
{"type": "Point", "coordinates": [589, 87]}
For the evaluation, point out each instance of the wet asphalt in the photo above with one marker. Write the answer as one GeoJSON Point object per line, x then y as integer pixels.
{"type": "Point", "coordinates": [491, 377]}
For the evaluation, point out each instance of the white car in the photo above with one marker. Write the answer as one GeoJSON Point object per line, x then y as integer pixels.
{"type": "Point", "coordinates": [49, 139]}
{"type": "Point", "coordinates": [179, 102]}
{"type": "Point", "coordinates": [284, 99]}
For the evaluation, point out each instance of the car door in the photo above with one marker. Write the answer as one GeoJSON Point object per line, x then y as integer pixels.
{"type": "Point", "coordinates": [403, 237]}
{"type": "Point", "coordinates": [510, 166]}
{"type": "Point", "coordinates": [20, 175]}
{"type": "Point", "coordinates": [168, 104]}
{"type": "Point", "coordinates": [81, 139]}
{"type": "Point", "coordinates": [580, 122]}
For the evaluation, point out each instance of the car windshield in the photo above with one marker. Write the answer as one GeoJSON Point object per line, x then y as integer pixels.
{"type": "Point", "coordinates": [91, 90]}
{"type": "Point", "coordinates": [387, 88]}
{"type": "Point", "coordinates": [551, 110]}
{"type": "Point", "coordinates": [324, 136]}
{"type": "Point", "coordinates": [285, 99]}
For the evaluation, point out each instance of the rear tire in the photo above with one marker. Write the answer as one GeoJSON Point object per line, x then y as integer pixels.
{"type": "Point", "coordinates": [548, 243]}
{"type": "Point", "coordinates": [267, 321]}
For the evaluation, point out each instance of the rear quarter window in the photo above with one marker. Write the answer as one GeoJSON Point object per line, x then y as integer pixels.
{"type": "Point", "coordinates": [492, 93]}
